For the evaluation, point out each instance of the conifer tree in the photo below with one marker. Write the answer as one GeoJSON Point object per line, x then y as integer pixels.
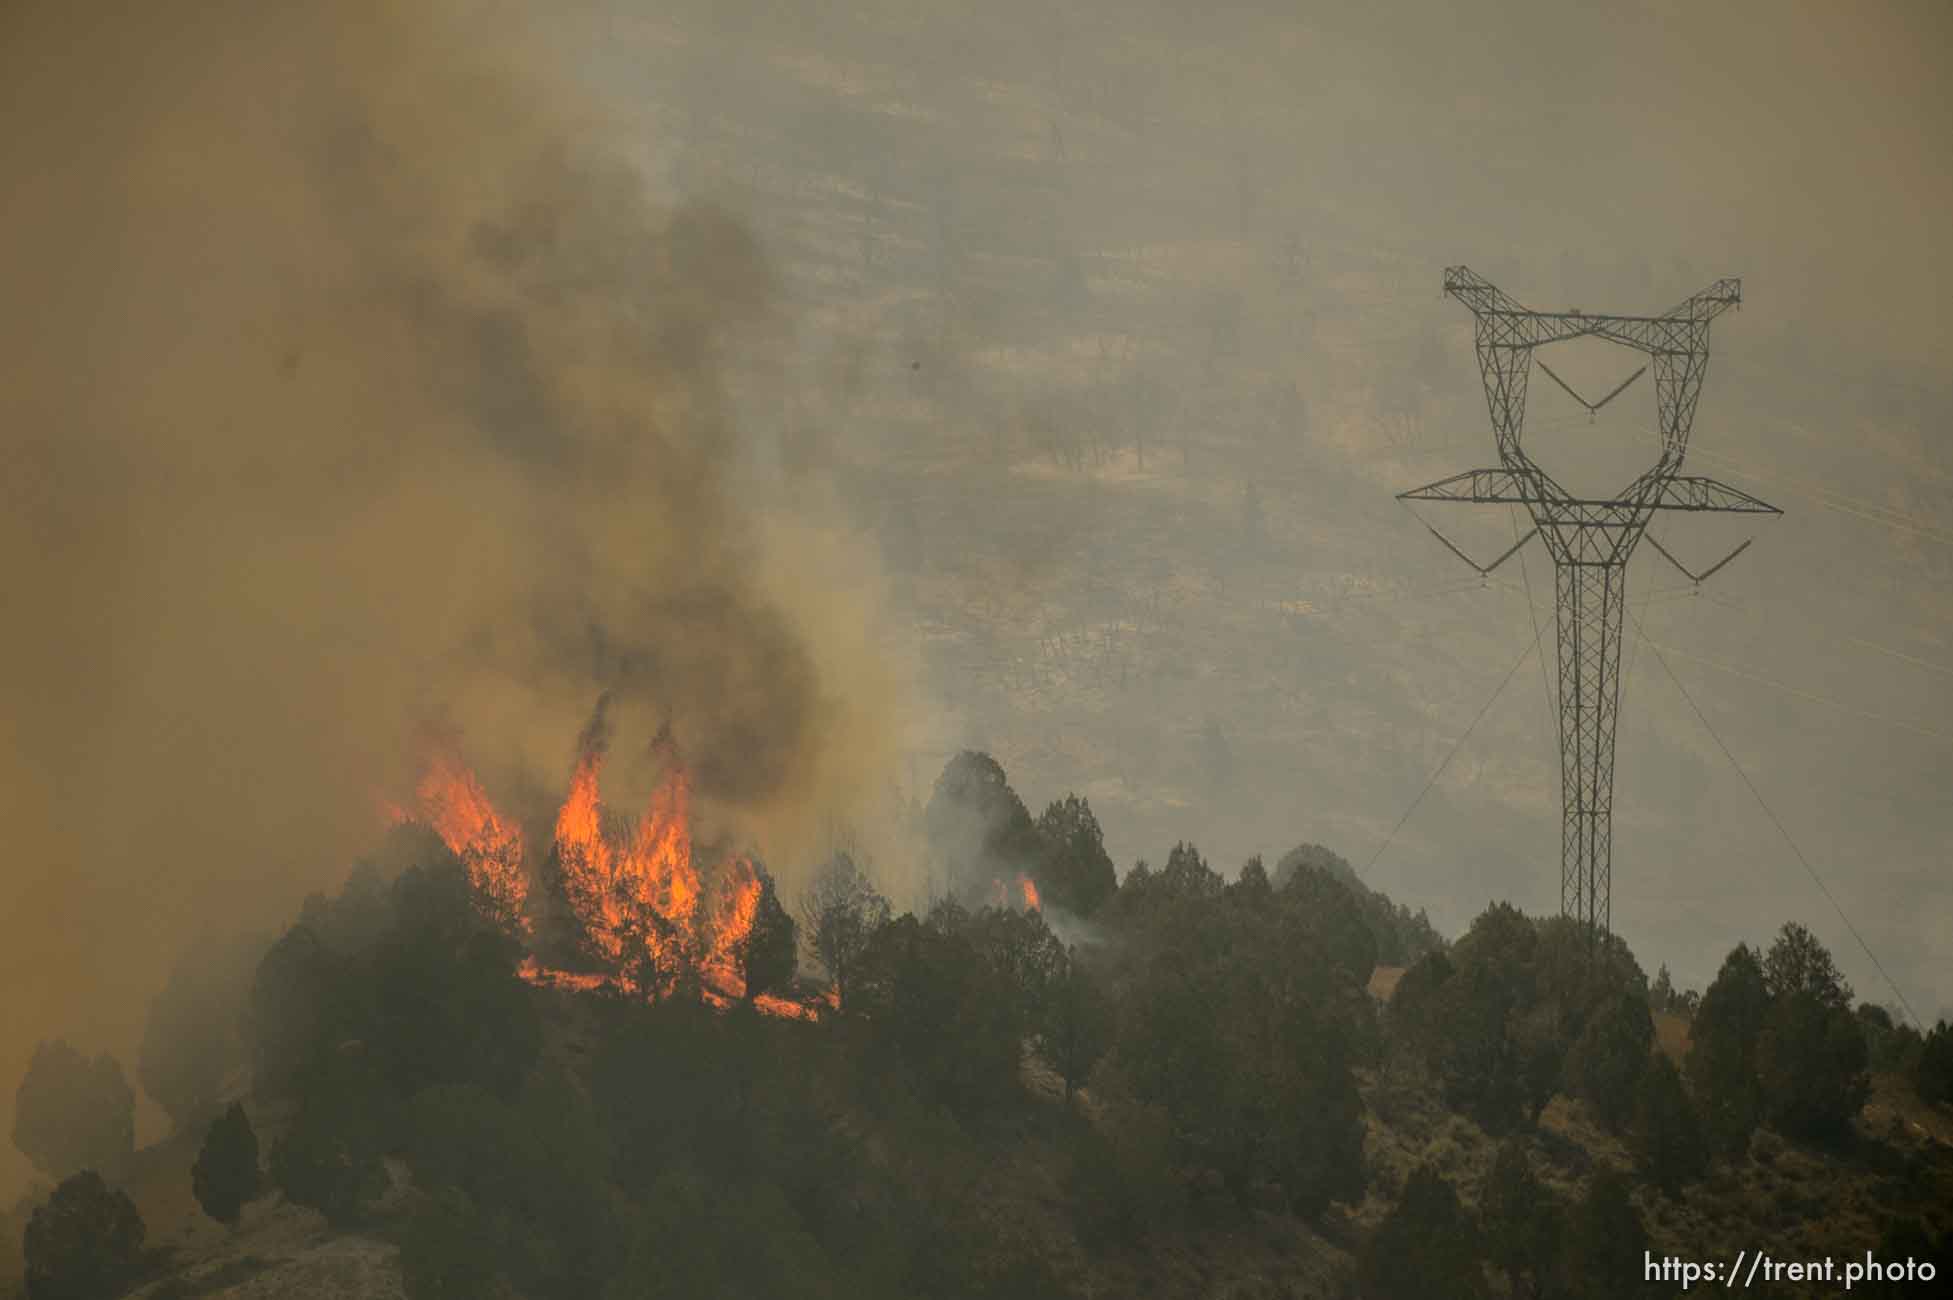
{"type": "Point", "coordinates": [1721, 1064]}
{"type": "Point", "coordinates": [226, 1173]}
{"type": "Point", "coordinates": [1666, 1131]}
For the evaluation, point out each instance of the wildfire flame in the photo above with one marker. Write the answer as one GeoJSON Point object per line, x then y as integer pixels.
{"type": "Point", "coordinates": [583, 982]}
{"type": "Point", "coordinates": [1026, 891]}
{"type": "Point", "coordinates": [588, 867]}
{"type": "Point", "coordinates": [731, 925]}
{"type": "Point", "coordinates": [786, 1010]}
{"type": "Point", "coordinates": [642, 903]}
{"type": "Point", "coordinates": [453, 803]}
{"type": "Point", "coordinates": [638, 900]}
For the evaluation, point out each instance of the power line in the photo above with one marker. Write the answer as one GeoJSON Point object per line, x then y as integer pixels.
{"type": "Point", "coordinates": [1456, 746]}
{"type": "Point", "coordinates": [1832, 499]}
{"type": "Point", "coordinates": [1671, 594]}
{"type": "Point", "coordinates": [1336, 607]}
{"type": "Point", "coordinates": [1812, 696]}
{"type": "Point", "coordinates": [1778, 823]}
{"type": "Point", "coordinates": [1628, 673]}
{"type": "Point", "coordinates": [1900, 654]}
{"type": "Point", "coordinates": [1380, 596]}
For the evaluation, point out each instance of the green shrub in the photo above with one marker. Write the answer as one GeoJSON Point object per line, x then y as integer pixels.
{"type": "Point", "coordinates": [1520, 1219]}
{"type": "Point", "coordinates": [1122, 1183]}
{"type": "Point", "coordinates": [1603, 1248]}
{"type": "Point", "coordinates": [518, 1191]}
{"type": "Point", "coordinates": [1426, 1247]}
{"type": "Point", "coordinates": [699, 1240]}
{"type": "Point", "coordinates": [330, 1159]}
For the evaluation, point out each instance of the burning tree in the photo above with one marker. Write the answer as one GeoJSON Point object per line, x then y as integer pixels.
{"type": "Point", "coordinates": [979, 830]}
{"type": "Point", "coordinates": [647, 912]}
{"type": "Point", "coordinates": [644, 918]}
{"type": "Point", "coordinates": [451, 800]}
{"type": "Point", "coordinates": [772, 952]}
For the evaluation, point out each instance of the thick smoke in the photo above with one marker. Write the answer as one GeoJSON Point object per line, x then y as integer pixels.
{"type": "Point", "coordinates": [347, 385]}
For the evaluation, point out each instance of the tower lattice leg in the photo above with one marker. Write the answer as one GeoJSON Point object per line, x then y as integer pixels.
{"type": "Point", "coordinates": [1590, 602]}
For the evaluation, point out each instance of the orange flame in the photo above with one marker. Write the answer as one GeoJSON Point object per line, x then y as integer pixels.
{"type": "Point", "coordinates": [587, 864]}
{"type": "Point", "coordinates": [543, 977]}
{"type": "Point", "coordinates": [659, 862]}
{"type": "Point", "coordinates": [784, 1009]}
{"type": "Point", "coordinates": [736, 907]}
{"type": "Point", "coordinates": [452, 801]}
{"type": "Point", "coordinates": [1032, 903]}
{"type": "Point", "coordinates": [645, 898]}
{"type": "Point", "coordinates": [640, 900]}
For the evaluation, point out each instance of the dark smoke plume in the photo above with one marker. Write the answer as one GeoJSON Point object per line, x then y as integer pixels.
{"type": "Point", "coordinates": [349, 382]}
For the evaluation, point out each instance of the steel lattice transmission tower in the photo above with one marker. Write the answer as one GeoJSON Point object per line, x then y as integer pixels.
{"type": "Point", "coordinates": [1590, 540]}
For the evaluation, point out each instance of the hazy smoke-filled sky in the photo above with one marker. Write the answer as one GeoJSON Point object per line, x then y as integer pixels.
{"type": "Point", "coordinates": [367, 364]}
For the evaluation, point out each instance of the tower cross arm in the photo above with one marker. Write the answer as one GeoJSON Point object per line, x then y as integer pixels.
{"type": "Point", "coordinates": [1679, 330]}
{"type": "Point", "coordinates": [1516, 487]}
{"type": "Point", "coordinates": [1683, 492]}
{"type": "Point", "coordinates": [1480, 294]}
{"type": "Point", "coordinates": [1485, 487]}
{"type": "Point", "coordinates": [1710, 303]}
